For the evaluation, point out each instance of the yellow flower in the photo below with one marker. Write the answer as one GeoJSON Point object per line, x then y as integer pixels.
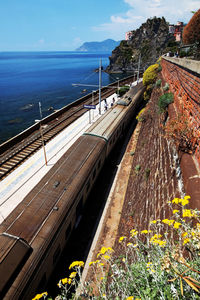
{"type": "Point", "coordinates": [130, 298]}
{"type": "Point", "coordinates": [145, 231]}
{"type": "Point", "coordinates": [73, 275]}
{"type": "Point", "coordinates": [64, 280]}
{"type": "Point", "coordinates": [175, 211]}
{"type": "Point", "coordinates": [185, 241]}
{"type": "Point", "coordinates": [184, 234]}
{"type": "Point", "coordinates": [76, 264]}
{"type": "Point", "coordinates": [175, 200]}
{"type": "Point", "coordinates": [153, 222]}
{"type": "Point", "coordinates": [101, 264]}
{"type": "Point", "coordinates": [177, 225]}
{"type": "Point", "coordinates": [168, 222]}
{"type": "Point", "coordinates": [39, 296]}
{"type": "Point", "coordinates": [149, 263]}
{"type": "Point", "coordinates": [122, 238]}
{"type": "Point", "coordinates": [156, 236]}
{"type": "Point", "coordinates": [162, 243]}
{"type": "Point", "coordinates": [133, 232]}
{"type": "Point", "coordinates": [59, 284]}
{"type": "Point", "coordinates": [104, 250]}
{"type": "Point", "coordinates": [130, 244]}
{"type": "Point", "coordinates": [123, 259]}
{"type": "Point", "coordinates": [184, 201]}
{"type": "Point", "coordinates": [106, 257]}
{"type": "Point", "coordinates": [188, 213]}
{"type": "Point", "coordinates": [102, 278]}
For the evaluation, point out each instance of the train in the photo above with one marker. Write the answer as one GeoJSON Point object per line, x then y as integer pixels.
{"type": "Point", "coordinates": [33, 236]}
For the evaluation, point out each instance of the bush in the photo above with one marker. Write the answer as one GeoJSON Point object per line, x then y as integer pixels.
{"type": "Point", "coordinates": [150, 75]}
{"type": "Point", "coordinates": [166, 87]}
{"type": "Point", "coordinates": [191, 32]}
{"type": "Point", "coordinates": [164, 101]}
{"type": "Point", "coordinates": [123, 90]}
{"type": "Point", "coordinates": [158, 83]}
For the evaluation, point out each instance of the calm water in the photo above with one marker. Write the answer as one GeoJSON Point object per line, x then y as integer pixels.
{"type": "Point", "coordinates": [29, 77]}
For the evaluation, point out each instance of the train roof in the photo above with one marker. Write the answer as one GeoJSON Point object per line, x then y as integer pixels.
{"type": "Point", "coordinates": [56, 187]}
{"type": "Point", "coordinates": [105, 126]}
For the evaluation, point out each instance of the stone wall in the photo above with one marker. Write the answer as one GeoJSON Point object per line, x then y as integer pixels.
{"type": "Point", "coordinates": [155, 176]}
{"type": "Point", "coordinates": [183, 77]}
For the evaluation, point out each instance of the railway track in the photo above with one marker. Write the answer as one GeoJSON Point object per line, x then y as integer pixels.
{"type": "Point", "coordinates": [15, 156]}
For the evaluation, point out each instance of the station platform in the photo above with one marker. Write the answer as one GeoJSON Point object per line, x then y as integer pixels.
{"type": "Point", "coordinates": [21, 181]}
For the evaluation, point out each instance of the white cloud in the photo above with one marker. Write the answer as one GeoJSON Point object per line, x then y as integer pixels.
{"type": "Point", "coordinates": [140, 10]}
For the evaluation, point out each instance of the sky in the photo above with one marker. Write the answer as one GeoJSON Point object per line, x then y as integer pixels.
{"type": "Point", "coordinates": [64, 25]}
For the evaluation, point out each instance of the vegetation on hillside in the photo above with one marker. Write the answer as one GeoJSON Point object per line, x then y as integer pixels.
{"type": "Point", "coordinates": [191, 34]}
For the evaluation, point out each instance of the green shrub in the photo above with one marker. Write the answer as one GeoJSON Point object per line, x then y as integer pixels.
{"type": "Point", "coordinates": [166, 87]}
{"type": "Point", "coordinates": [123, 90]}
{"type": "Point", "coordinates": [137, 168]}
{"type": "Point", "coordinates": [164, 101]}
{"type": "Point", "coordinates": [158, 83]}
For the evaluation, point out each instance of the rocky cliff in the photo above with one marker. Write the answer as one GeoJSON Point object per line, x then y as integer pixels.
{"type": "Point", "coordinates": [149, 41]}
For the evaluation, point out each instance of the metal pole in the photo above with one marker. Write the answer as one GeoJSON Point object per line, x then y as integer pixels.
{"type": "Point", "coordinates": [89, 116]}
{"type": "Point", "coordinates": [45, 157]}
{"type": "Point", "coordinates": [117, 86]}
{"type": "Point", "coordinates": [100, 87]}
{"type": "Point", "coordinates": [93, 104]}
{"type": "Point", "coordinates": [138, 68]}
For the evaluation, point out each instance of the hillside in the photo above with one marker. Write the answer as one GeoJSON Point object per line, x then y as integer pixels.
{"type": "Point", "coordinates": [150, 40]}
{"type": "Point", "coordinates": [104, 46]}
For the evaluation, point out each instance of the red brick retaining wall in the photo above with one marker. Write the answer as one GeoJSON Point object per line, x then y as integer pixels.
{"type": "Point", "coordinates": [183, 77]}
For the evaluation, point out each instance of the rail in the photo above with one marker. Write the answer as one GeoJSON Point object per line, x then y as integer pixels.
{"type": "Point", "coordinates": [16, 150]}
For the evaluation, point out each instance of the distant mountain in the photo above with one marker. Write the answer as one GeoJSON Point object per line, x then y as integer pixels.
{"type": "Point", "coordinates": [106, 46]}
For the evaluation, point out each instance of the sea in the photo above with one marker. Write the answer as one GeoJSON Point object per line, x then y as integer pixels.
{"type": "Point", "coordinates": [54, 79]}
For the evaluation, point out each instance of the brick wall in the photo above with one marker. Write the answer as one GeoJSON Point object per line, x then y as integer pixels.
{"type": "Point", "coordinates": [183, 77]}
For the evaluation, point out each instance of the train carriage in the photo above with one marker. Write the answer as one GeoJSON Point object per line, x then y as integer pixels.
{"type": "Point", "coordinates": [50, 211]}
{"type": "Point", "coordinates": [41, 224]}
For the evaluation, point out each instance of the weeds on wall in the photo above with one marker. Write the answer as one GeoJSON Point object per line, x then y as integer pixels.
{"type": "Point", "coordinates": [158, 262]}
{"type": "Point", "coordinates": [158, 83]}
{"type": "Point", "coordinates": [164, 101]}
{"type": "Point", "coordinates": [141, 115]}
{"type": "Point", "coordinates": [182, 133]}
